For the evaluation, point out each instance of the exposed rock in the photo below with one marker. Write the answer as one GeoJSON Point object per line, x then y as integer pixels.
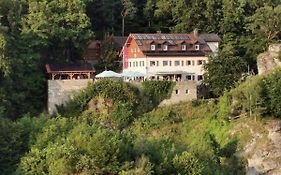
{"type": "Point", "coordinates": [268, 60]}
{"type": "Point", "coordinates": [265, 158]}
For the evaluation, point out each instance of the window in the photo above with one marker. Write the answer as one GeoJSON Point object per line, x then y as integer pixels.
{"type": "Point", "coordinates": [152, 47]}
{"type": "Point", "coordinates": [177, 63]}
{"type": "Point", "coordinates": [142, 63]}
{"type": "Point", "coordinates": [183, 47]}
{"type": "Point", "coordinates": [188, 62]}
{"type": "Point", "coordinates": [200, 77]}
{"type": "Point", "coordinates": [182, 63]}
{"type": "Point", "coordinates": [152, 63]}
{"type": "Point", "coordinates": [187, 91]}
{"type": "Point", "coordinates": [130, 64]}
{"type": "Point", "coordinates": [193, 62]}
{"type": "Point", "coordinates": [157, 63]}
{"type": "Point", "coordinates": [200, 62]}
{"type": "Point", "coordinates": [165, 63]}
{"type": "Point", "coordinates": [188, 77]}
{"type": "Point", "coordinates": [165, 47]}
{"type": "Point", "coordinates": [197, 47]}
{"type": "Point", "coordinates": [177, 91]}
{"type": "Point", "coordinates": [170, 63]}
{"type": "Point", "coordinates": [136, 64]}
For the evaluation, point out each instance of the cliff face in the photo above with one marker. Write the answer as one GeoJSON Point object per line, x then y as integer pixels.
{"type": "Point", "coordinates": [264, 157]}
{"type": "Point", "coordinates": [268, 60]}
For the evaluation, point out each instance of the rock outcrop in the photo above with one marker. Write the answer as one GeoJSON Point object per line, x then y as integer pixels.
{"type": "Point", "coordinates": [265, 158]}
{"type": "Point", "coordinates": [269, 60]}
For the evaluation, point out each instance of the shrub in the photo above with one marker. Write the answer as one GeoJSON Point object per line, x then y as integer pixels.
{"type": "Point", "coordinates": [84, 148]}
{"type": "Point", "coordinates": [187, 164]}
{"type": "Point", "coordinates": [247, 97]}
{"type": "Point", "coordinates": [116, 91]}
{"type": "Point", "coordinates": [271, 93]}
{"type": "Point", "coordinates": [157, 91]}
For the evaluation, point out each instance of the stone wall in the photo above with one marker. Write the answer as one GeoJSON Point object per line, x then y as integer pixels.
{"type": "Point", "coordinates": [183, 91]}
{"type": "Point", "coordinates": [60, 91]}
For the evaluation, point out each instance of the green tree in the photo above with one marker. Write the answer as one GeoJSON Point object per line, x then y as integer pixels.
{"type": "Point", "coordinates": [67, 146]}
{"type": "Point", "coordinates": [20, 64]}
{"type": "Point", "coordinates": [148, 12]}
{"type": "Point", "coordinates": [266, 22]}
{"type": "Point", "coordinates": [187, 164]}
{"type": "Point", "coordinates": [109, 55]}
{"type": "Point", "coordinates": [105, 17]}
{"type": "Point", "coordinates": [129, 10]}
{"type": "Point", "coordinates": [271, 92]}
{"type": "Point", "coordinates": [12, 145]}
{"type": "Point", "coordinates": [231, 20]}
{"type": "Point", "coordinates": [223, 71]}
{"type": "Point", "coordinates": [61, 26]}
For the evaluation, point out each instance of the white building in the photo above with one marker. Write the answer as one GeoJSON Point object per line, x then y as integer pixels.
{"type": "Point", "coordinates": [169, 56]}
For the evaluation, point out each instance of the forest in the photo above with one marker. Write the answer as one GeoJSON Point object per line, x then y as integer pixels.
{"type": "Point", "coordinates": [137, 137]}
{"type": "Point", "coordinates": [33, 33]}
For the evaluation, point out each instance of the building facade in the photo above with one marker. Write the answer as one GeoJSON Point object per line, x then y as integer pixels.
{"type": "Point", "coordinates": [169, 56]}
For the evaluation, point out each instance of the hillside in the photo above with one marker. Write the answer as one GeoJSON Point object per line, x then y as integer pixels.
{"type": "Point", "coordinates": [105, 132]}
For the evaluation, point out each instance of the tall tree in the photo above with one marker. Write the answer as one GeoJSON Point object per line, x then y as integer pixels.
{"type": "Point", "coordinates": [220, 76]}
{"type": "Point", "coordinates": [129, 10]}
{"type": "Point", "coordinates": [148, 12]}
{"type": "Point", "coordinates": [61, 25]}
{"type": "Point", "coordinates": [266, 22]}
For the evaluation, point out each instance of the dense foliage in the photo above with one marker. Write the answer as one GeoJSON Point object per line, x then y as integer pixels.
{"type": "Point", "coordinates": [111, 127]}
{"type": "Point", "coordinates": [34, 33]}
{"type": "Point", "coordinates": [220, 76]}
{"type": "Point", "coordinates": [157, 91]}
{"type": "Point", "coordinates": [31, 34]}
{"type": "Point", "coordinates": [117, 99]}
{"type": "Point", "coordinates": [168, 140]}
{"type": "Point", "coordinates": [257, 95]}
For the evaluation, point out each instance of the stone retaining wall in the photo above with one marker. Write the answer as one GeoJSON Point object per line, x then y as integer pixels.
{"type": "Point", "coordinates": [60, 91]}
{"type": "Point", "coordinates": [183, 91]}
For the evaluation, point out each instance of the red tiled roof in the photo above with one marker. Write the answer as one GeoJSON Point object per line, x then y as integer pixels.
{"type": "Point", "coordinates": [174, 42]}
{"type": "Point", "coordinates": [54, 68]}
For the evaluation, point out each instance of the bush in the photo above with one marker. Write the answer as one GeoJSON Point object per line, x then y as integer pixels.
{"type": "Point", "coordinates": [157, 91]}
{"type": "Point", "coordinates": [271, 93]}
{"type": "Point", "coordinates": [72, 148]}
{"type": "Point", "coordinates": [12, 145]}
{"type": "Point", "coordinates": [247, 97]}
{"type": "Point", "coordinates": [116, 91]}
{"type": "Point", "coordinates": [187, 164]}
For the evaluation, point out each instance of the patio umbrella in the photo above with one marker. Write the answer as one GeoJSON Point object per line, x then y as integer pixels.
{"type": "Point", "coordinates": [132, 74]}
{"type": "Point", "coordinates": [108, 74]}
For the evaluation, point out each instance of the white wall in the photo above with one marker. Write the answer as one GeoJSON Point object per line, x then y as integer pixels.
{"type": "Point", "coordinates": [214, 46]}
{"type": "Point", "coordinates": [193, 68]}
{"type": "Point", "coordinates": [136, 64]}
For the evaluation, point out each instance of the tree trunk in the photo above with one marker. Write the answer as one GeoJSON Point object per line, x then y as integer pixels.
{"type": "Point", "coordinates": [123, 25]}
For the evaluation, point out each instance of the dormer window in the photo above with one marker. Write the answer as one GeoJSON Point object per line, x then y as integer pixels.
{"type": "Point", "coordinates": [165, 47]}
{"type": "Point", "coordinates": [197, 47]}
{"type": "Point", "coordinates": [183, 47]}
{"type": "Point", "coordinates": [152, 47]}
